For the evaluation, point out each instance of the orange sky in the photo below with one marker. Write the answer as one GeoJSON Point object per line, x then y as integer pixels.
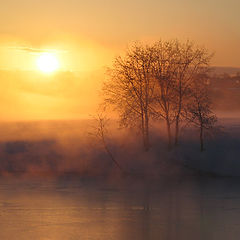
{"type": "Point", "coordinates": [86, 35]}
{"type": "Point", "coordinates": [85, 29]}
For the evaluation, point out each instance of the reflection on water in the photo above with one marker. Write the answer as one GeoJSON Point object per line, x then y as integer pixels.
{"type": "Point", "coordinates": [75, 209]}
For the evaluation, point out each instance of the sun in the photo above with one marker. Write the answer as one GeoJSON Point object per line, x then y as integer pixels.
{"type": "Point", "coordinates": [47, 63]}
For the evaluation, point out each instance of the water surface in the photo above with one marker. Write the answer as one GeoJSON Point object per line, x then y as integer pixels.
{"type": "Point", "coordinates": [72, 209]}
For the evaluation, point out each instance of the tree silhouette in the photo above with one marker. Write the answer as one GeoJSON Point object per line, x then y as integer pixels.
{"type": "Point", "coordinates": [164, 66]}
{"type": "Point", "coordinates": [191, 60]}
{"type": "Point", "coordinates": [100, 131]}
{"type": "Point", "coordinates": [199, 112]}
{"type": "Point", "coordinates": [130, 89]}
{"type": "Point", "coordinates": [155, 80]}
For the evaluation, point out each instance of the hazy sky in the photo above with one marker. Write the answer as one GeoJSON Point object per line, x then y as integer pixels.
{"type": "Point", "coordinates": [85, 36]}
{"type": "Point", "coordinates": [92, 32]}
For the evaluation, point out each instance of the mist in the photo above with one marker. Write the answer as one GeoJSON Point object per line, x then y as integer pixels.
{"type": "Point", "coordinates": [69, 147]}
{"type": "Point", "coordinates": [120, 120]}
{"type": "Point", "coordinates": [28, 95]}
{"type": "Point", "coordinates": [47, 128]}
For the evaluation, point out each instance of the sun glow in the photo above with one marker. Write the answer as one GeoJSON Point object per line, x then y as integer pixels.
{"type": "Point", "coordinates": [47, 63]}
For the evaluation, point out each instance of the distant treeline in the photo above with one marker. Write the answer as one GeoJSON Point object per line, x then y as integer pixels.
{"type": "Point", "coordinates": [225, 91]}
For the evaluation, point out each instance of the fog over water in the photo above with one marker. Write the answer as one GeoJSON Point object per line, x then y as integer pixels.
{"type": "Point", "coordinates": [57, 183]}
{"type": "Point", "coordinates": [58, 147]}
{"type": "Point", "coordinates": [120, 120]}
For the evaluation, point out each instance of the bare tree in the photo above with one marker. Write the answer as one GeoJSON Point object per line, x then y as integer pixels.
{"type": "Point", "coordinates": [164, 66]}
{"type": "Point", "coordinates": [100, 131]}
{"type": "Point", "coordinates": [199, 112]}
{"type": "Point", "coordinates": [175, 66]}
{"type": "Point", "coordinates": [192, 60]}
{"type": "Point", "coordinates": [154, 80]}
{"type": "Point", "coordinates": [130, 89]}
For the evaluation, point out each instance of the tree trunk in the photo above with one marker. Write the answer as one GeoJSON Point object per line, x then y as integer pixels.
{"type": "Point", "coordinates": [178, 115]}
{"type": "Point", "coordinates": [169, 134]}
{"type": "Point", "coordinates": [201, 139]}
{"type": "Point", "coordinates": [143, 131]}
{"type": "Point", "coordinates": [147, 145]}
{"type": "Point", "coordinates": [176, 131]}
